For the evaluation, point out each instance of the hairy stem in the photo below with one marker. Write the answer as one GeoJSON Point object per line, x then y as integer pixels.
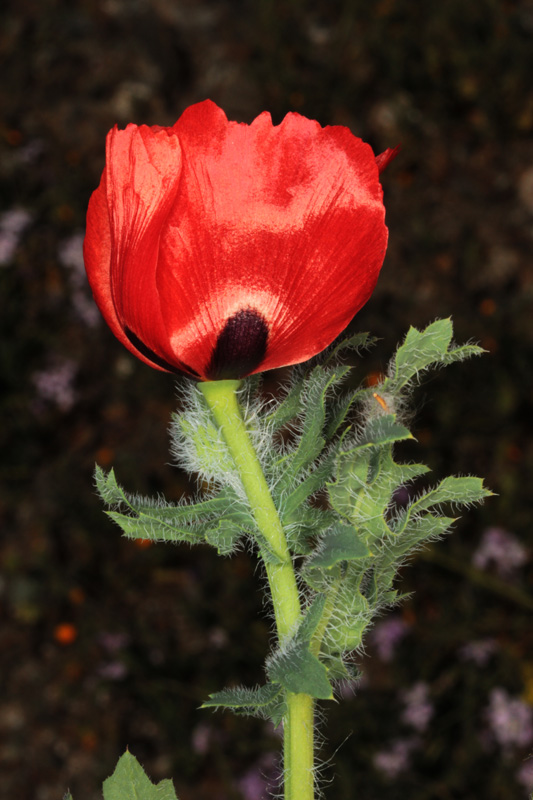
{"type": "Point", "coordinates": [298, 723]}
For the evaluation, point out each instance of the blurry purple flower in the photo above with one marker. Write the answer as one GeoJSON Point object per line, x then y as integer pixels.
{"type": "Point", "coordinates": [387, 635]}
{"type": "Point", "coordinates": [71, 256]}
{"type": "Point", "coordinates": [418, 708]}
{"type": "Point", "coordinates": [201, 738]}
{"type": "Point", "coordinates": [31, 151]}
{"type": "Point", "coordinates": [479, 651]}
{"type": "Point", "coordinates": [114, 642]}
{"type": "Point", "coordinates": [525, 776]}
{"type": "Point", "coordinates": [396, 759]}
{"type": "Point", "coordinates": [113, 671]}
{"type": "Point", "coordinates": [54, 385]}
{"type": "Point", "coordinates": [256, 782]}
{"type": "Point", "coordinates": [502, 549]}
{"type": "Point", "coordinates": [510, 719]}
{"type": "Point", "coordinates": [12, 225]}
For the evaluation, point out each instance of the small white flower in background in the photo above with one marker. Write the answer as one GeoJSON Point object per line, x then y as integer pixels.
{"type": "Point", "coordinates": [70, 255]}
{"type": "Point", "coordinates": [12, 226]}
{"type": "Point", "coordinates": [55, 384]}
{"type": "Point", "coordinates": [510, 719]}
{"type": "Point", "coordinates": [501, 549]}
{"type": "Point", "coordinates": [418, 709]}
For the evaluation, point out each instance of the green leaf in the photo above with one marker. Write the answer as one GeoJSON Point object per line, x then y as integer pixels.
{"type": "Point", "coordinates": [288, 408]}
{"type": "Point", "coordinates": [145, 527]}
{"type": "Point", "coordinates": [266, 702]}
{"type": "Point", "coordinates": [422, 349]}
{"type": "Point", "coordinates": [340, 544]}
{"type": "Point", "coordinates": [358, 341]}
{"type": "Point", "coordinates": [130, 782]}
{"type": "Point", "coordinates": [295, 667]}
{"type": "Point", "coordinates": [311, 440]}
{"type": "Point", "coordinates": [311, 484]}
{"type": "Point", "coordinates": [381, 431]}
{"type": "Point", "coordinates": [224, 535]}
{"type": "Point", "coordinates": [108, 488]}
{"type": "Point", "coordinates": [456, 490]}
{"type": "Point", "coordinates": [298, 670]}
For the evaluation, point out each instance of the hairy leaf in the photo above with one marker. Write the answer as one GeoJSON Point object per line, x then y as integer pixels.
{"type": "Point", "coordinates": [130, 782]}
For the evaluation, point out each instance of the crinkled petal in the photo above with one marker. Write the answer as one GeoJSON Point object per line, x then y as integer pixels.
{"type": "Point", "coordinates": [285, 222]}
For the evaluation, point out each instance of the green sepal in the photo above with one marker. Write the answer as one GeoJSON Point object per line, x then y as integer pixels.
{"type": "Point", "coordinates": [341, 543]}
{"type": "Point", "coordinates": [294, 666]}
{"type": "Point", "coordinates": [130, 782]}
{"type": "Point", "coordinates": [67, 796]}
{"type": "Point", "coordinates": [265, 702]}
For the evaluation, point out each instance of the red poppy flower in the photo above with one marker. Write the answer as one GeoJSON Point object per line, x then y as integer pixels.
{"type": "Point", "coordinates": [221, 249]}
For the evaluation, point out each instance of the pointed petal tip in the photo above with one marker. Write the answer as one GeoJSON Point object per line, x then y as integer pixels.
{"type": "Point", "coordinates": [385, 158]}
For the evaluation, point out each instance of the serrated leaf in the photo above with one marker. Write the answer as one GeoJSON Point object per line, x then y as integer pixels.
{"type": "Point", "coordinates": [381, 431]}
{"type": "Point", "coordinates": [339, 544]}
{"type": "Point", "coordinates": [224, 536]}
{"type": "Point", "coordinates": [311, 440]}
{"type": "Point", "coordinates": [266, 702]}
{"type": "Point", "coordinates": [144, 527]}
{"type": "Point", "coordinates": [351, 480]}
{"type": "Point", "coordinates": [311, 484]}
{"type": "Point", "coordinates": [353, 343]}
{"type": "Point", "coordinates": [422, 349]}
{"type": "Point", "coordinates": [107, 487]}
{"type": "Point", "coordinates": [130, 782]}
{"type": "Point", "coordinates": [288, 408]}
{"type": "Point", "coordinates": [456, 490]}
{"type": "Point", "coordinates": [295, 667]}
{"type": "Point", "coordinates": [299, 671]}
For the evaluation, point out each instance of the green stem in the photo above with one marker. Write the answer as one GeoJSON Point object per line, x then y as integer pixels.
{"type": "Point", "coordinates": [298, 722]}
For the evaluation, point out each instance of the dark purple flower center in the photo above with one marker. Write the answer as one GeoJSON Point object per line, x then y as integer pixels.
{"type": "Point", "coordinates": [240, 347]}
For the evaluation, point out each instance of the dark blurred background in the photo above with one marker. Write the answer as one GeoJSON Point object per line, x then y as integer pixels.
{"type": "Point", "coordinates": [105, 643]}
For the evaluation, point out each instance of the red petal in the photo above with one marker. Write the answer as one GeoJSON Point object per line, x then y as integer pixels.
{"type": "Point", "coordinates": [123, 227]}
{"type": "Point", "coordinates": [388, 155]}
{"type": "Point", "coordinates": [287, 220]}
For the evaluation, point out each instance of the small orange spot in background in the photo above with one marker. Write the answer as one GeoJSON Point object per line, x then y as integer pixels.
{"type": "Point", "coordinates": [13, 137]}
{"type": "Point", "coordinates": [65, 633]}
{"type": "Point", "coordinates": [513, 453]}
{"type": "Point", "coordinates": [89, 741]}
{"type": "Point", "coordinates": [105, 455]}
{"type": "Point", "coordinates": [374, 378]}
{"type": "Point", "coordinates": [487, 307]}
{"type": "Point", "coordinates": [142, 544]}
{"type": "Point", "coordinates": [76, 595]}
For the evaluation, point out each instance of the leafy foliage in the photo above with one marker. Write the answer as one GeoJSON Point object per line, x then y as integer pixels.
{"type": "Point", "coordinates": [129, 780]}
{"type": "Point", "coordinates": [350, 548]}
